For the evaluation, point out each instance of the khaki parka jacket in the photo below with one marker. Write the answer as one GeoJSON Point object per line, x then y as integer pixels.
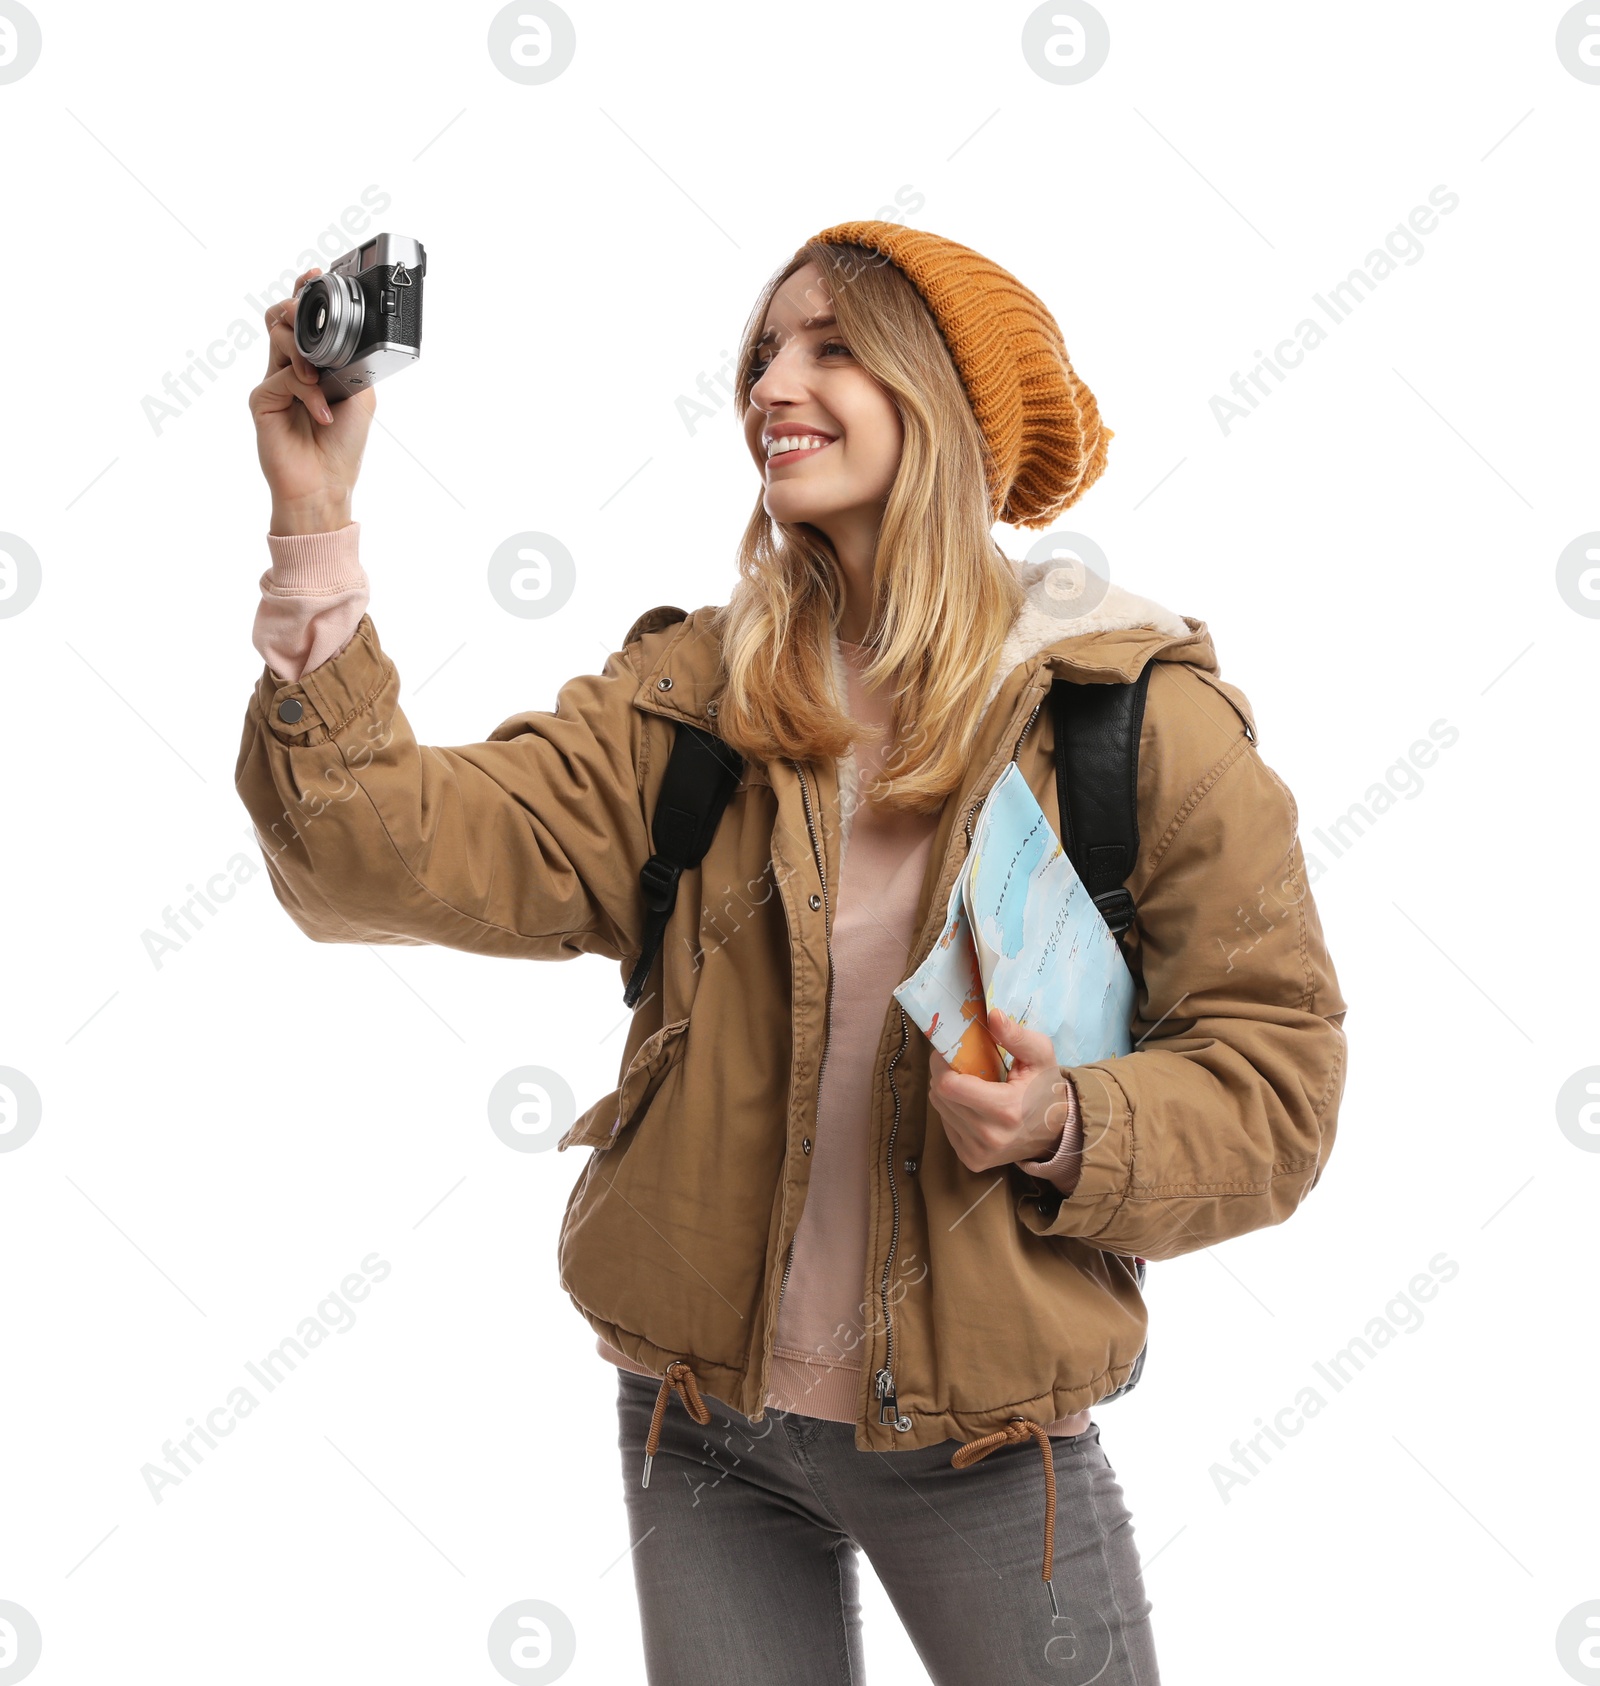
{"type": "Point", "coordinates": [992, 1303]}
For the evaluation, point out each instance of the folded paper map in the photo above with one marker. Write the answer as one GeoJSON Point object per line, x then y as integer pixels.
{"type": "Point", "coordinates": [1023, 934]}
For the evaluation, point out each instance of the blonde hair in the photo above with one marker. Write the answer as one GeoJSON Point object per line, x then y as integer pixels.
{"type": "Point", "coordinates": [944, 594]}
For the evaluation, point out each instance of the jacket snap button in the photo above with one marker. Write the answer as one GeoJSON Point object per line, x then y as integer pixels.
{"type": "Point", "coordinates": [664, 684]}
{"type": "Point", "coordinates": [290, 709]}
{"type": "Point", "coordinates": [911, 1165]}
{"type": "Point", "coordinates": [816, 901]}
{"type": "Point", "coordinates": [806, 1145]}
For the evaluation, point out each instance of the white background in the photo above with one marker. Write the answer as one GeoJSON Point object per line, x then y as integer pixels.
{"type": "Point", "coordinates": [227, 1135]}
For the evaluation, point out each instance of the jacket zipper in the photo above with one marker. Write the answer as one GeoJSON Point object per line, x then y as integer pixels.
{"type": "Point", "coordinates": [827, 1021]}
{"type": "Point", "coordinates": [883, 1381]}
{"type": "Point", "coordinates": [972, 812]}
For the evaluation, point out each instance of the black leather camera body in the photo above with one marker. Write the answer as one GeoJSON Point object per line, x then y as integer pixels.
{"type": "Point", "coordinates": [361, 320]}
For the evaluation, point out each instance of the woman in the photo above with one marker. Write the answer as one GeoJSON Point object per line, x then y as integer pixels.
{"type": "Point", "coordinates": [964, 1269]}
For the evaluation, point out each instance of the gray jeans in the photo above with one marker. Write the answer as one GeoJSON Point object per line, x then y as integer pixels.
{"type": "Point", "coordinates": [745, 1542]}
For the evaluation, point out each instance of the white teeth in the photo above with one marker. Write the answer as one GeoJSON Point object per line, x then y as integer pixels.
{"type": "Point", "coordinates": [798, 442]}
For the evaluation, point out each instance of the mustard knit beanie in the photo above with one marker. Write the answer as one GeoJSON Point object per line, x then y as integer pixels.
{"type": "Point", "coordinates": [1046, 444]}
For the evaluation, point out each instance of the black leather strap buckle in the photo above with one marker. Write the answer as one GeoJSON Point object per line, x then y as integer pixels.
{"type": "Point", "coordinates": [659, 880]}
{"type": "Point", "coordinates": [1116, 908]}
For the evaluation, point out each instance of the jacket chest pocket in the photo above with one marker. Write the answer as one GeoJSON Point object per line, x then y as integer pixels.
{"type": "Point", "coordinates": [602, 1125]}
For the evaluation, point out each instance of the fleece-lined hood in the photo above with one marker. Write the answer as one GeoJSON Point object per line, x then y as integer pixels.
{"type": "Point", "coordinates": [1112, 639]}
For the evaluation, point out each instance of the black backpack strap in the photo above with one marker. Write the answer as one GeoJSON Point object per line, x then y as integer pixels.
{"type": "Point", "coordinates": [1097, 786]}
{"type": "Point", "coordinates": [700, 777]}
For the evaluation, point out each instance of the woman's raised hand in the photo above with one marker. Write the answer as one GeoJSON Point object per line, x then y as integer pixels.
{"type": "Point", "coordinates": [310, 450]}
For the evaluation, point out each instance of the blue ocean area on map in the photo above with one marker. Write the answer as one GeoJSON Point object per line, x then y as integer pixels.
{"type": "Point", "coordinates": [1022, 933]}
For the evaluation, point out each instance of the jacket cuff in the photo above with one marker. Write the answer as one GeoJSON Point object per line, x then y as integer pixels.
{"type": "Point", "coordinates": [312, 708]}
{"type": "Point", "coordinates": [1106, 1124]}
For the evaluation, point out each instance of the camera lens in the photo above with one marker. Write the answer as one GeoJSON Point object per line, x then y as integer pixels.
{"type": "Point", "coordinates": [327, 321]}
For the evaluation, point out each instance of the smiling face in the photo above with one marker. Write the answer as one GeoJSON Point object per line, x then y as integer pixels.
{"type": "Point", "coordinates": [836, 429]}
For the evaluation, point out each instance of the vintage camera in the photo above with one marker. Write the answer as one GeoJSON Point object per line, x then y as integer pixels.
{"type": "Point", "coordinates": [362, 319]}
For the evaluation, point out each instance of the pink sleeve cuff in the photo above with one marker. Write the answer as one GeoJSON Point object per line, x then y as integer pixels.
{"type": "Point", "coordinates": [312, 600]}
{"type": "Point", "coordinates": [1063, 1167]}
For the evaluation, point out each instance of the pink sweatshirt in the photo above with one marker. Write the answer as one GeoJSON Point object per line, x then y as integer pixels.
{"type": "Point", "coordinates": [312, 599]}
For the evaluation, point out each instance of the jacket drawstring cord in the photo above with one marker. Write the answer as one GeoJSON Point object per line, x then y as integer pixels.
{"type": "Point", "coordinates": [679, 1376]}
{"type": "Point", "coordinates": [1021, 1428]}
